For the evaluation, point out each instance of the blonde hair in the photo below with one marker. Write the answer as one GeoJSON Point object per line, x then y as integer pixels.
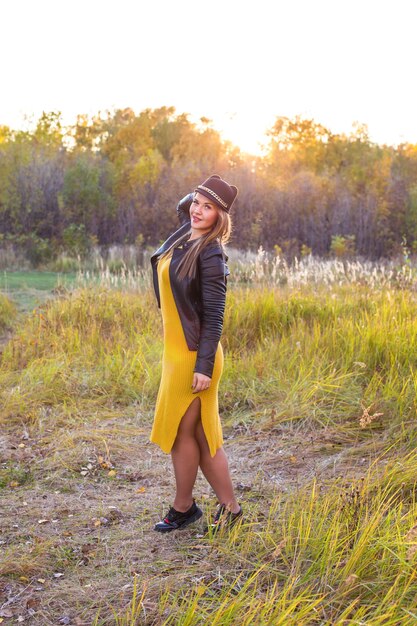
{"type": "Point", "coordinates": [221, 232]}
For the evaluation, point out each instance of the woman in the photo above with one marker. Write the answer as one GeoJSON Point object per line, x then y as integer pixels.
{"type": "Point", "coordinates": [189, 274]}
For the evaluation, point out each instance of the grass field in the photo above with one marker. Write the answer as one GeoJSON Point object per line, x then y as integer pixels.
{"type": "Point", "coordinates": [318, 401]}
{"type": "Point", "coordinates": [30, 288]}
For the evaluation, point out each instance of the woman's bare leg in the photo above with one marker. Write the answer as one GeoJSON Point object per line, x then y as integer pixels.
{"type": "Point", "coordinates": [216, 471]}
{"type": "Point", "coordinates": [185, 455]}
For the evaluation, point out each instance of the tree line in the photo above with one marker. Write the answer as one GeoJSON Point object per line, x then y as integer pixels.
{"type": "Point", "coordinates": [116, 178]}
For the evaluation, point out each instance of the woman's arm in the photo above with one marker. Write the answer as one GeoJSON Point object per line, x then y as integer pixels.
{"type": "Point", "coordinates": [212, 271]}
{"type": "Point", "coordinates": [183, 208]}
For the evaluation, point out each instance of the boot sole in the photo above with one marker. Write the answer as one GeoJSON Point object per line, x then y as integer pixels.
{"type": "Point", "coordinates": [190, 520]}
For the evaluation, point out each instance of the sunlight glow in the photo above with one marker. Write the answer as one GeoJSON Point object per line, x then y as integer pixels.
{"type": "Point", "coordinates": [239, 65]}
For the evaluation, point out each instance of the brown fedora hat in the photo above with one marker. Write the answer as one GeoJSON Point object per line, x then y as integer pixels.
{"type": "Point", "coordinates": [217, 189]}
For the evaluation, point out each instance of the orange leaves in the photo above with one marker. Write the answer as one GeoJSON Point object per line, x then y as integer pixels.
{"type": "Point", "coordinates": [104, 462]}
{"type": "Point", "coordinates": [101, 462]}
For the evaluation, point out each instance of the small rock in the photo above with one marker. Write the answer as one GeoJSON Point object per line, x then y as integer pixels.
{"type": "Point", "coordinates": [242, 487]}
{"type": "Point", "coordinates": [115, 514]}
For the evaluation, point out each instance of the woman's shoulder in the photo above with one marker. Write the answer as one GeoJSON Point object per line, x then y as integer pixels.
{"type": "Point", "coordinates": [214, 248]}
{"type": "Point", "coordinates": [213, 259]}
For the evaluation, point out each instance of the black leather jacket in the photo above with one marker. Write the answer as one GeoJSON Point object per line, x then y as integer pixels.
{"type": "Point", "coordinates": [200, 300]}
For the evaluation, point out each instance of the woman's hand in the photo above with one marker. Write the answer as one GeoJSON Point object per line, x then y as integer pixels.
{"type": "Point", "coordinates": [201, 382]}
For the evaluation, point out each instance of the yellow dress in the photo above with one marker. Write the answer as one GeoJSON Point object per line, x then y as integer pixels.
{"type": "Point", "coordinates": [175, 393]}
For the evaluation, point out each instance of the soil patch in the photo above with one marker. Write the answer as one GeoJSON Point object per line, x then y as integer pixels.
{"type": "Point", "coordinates": [78, 509]}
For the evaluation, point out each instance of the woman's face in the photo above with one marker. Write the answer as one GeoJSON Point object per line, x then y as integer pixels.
{"type": "Point", "coordinates": [203, 214]}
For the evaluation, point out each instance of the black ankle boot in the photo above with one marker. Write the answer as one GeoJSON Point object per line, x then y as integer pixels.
{"type": "Point", "coordinates": [176, 520]}
{"type": "Point", "coordinates": [224, 518]}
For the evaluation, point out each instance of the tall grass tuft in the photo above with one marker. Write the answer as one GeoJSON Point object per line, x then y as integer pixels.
{"type": "Point", "coordinates": [267, 269]}
{"type": "Point", "coordinates": [263, 269]}
{"type": "Point", "coordinates": [345, 555]}
{"type": "Point", "coordinates": [323, 357]}
{"type": "Point", "coordinates": [92, 345]}
{"type": "Point", "coordinates": [8, 313]}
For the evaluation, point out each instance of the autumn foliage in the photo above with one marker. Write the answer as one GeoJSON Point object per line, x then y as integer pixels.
{"type": "Point", "coordinates": [115, 178]}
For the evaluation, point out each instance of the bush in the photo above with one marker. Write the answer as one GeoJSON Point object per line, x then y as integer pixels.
{"type": "Point", "coordinates": [76, 241]}
{"type": "Point", "coordinates": [64, 264]}
{"type": "Point", "coordinates": [38, 251]}
{"type": "Point", "coordinates": [343, 246]}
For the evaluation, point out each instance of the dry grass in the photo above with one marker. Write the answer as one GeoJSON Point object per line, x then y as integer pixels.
{"type": "Point", "coordinates": [328, 486]}
{"type": "Point", "coordinates": [96, 529]}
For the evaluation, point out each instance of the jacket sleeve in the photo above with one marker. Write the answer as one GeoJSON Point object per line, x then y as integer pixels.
{"type": "Point", "coordinates": [183, 208]}
{"type": "Point", "coordinates": [212, 272]}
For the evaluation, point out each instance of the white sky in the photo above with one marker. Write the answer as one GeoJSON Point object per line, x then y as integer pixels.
{"type": "Point", "coordinates": [239, 62]}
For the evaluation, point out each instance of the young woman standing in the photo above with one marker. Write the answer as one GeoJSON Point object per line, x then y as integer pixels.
{"type": "Point", "coordinates": [189, 275]}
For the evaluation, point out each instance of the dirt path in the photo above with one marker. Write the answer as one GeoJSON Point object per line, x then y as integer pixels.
{"type": "Point", "coordinates": [73, 535]}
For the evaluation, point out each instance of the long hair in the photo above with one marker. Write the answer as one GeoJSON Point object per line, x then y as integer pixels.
{"type": "Point", "coordinates": [221, 231]}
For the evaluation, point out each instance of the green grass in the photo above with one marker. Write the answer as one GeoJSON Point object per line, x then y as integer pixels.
{"type": "Point", "coordinates": [340, 361]}
{"type": "Point", "coordinates": [42, 281]}
{"type": "Point", "coordinates": [89, 346]}
{"type": "Point", "coordinates": [322, 357]}
{"type": "Point", "coordinates": [28, 289]}
{"type": "Point", "coordinates": [14, 476]}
